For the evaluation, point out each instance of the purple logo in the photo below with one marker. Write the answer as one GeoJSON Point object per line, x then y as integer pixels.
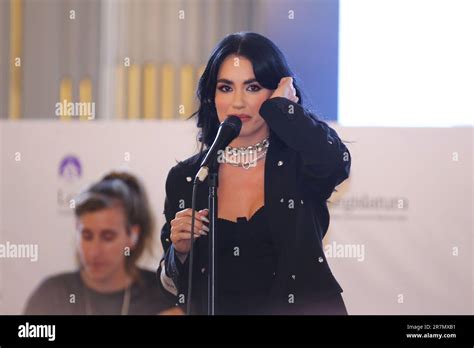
{"type": "Point", "coordinates": [70, 168]}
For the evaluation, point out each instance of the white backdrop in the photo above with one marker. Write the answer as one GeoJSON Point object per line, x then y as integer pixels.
{"type": "Point", "coordinates": [401, 234]}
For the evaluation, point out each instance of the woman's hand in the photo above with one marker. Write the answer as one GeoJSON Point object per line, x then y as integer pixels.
{"type": "Point", "coordinates": [172, 311]}
{"type": "Point", "coordinates": [181, 229]}
{"type": "Point", "coordinates": [286, 90]}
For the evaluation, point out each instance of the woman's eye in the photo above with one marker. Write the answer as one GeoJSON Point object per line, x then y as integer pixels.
{"type": "Point", "coordinates": [87, 236]}
{"type": "Point", "coordinates": [108, 236]}
{"type": "Point", "coordinates": [255, 88]}
{"type": "Point", "coordinates": [223, 88]}
{"type": "Point", "coordinates": [251, 88]}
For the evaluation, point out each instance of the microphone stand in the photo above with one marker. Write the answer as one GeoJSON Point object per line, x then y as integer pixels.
{"type": "Point", "coordinates": [212, 200]}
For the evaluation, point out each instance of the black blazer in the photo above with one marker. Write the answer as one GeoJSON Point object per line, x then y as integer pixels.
{"type": "Point", "coordinates": [305, 161]}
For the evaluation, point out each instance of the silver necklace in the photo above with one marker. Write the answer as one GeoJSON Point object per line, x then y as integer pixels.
{"type": "Point", "coordinates": [125, 302]}
{"type": "Point", "coordinates": [246, 157]}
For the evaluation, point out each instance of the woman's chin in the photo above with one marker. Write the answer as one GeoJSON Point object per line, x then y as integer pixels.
{"type": "Point", "coordinates": [97, 274]}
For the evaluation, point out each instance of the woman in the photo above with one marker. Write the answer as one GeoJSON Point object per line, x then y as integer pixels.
{"type": "Point", "coordinates": [272, 212]}
{"type": "Point", "coordinates": [114, 227]}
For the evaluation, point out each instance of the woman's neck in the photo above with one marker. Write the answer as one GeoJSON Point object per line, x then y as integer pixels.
{"type": "Point", "coordinates": [117, 282]}
{"type": "Point", "coordinates": [245, 141]}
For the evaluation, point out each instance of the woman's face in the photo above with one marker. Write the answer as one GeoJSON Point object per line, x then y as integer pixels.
{"type": "Point", "coordinates": [102, 244]}
{"type": "Point", "coordinates": [239, 93]}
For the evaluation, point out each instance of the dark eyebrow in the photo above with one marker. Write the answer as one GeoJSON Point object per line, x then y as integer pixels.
{"type": "Point", "coordinates": [108, 230]}
{"type": "Point", "coordinates": [229, 82]}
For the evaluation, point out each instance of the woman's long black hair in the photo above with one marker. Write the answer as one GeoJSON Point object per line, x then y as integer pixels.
{"type": "Point", "coordinates": [269, 66]}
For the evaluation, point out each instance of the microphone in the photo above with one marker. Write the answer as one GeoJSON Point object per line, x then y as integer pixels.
{"type": "Point", "coordinates": [228, 131]}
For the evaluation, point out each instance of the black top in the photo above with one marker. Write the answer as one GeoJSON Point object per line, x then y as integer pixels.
{"type": "Point", "coordinates": [245, 265]}
{"type": "Point", "coordinates": [66, 294]}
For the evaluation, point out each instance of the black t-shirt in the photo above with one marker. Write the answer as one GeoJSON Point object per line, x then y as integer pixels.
{"type": "Point", "coordinates": [67, 294]}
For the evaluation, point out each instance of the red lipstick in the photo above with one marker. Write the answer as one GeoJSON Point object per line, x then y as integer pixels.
{"type": "Point", "coordinates": [244, 117]}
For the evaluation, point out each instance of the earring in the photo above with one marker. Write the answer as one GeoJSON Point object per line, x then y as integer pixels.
{"type": "Point", "coordinates": [134, 239]}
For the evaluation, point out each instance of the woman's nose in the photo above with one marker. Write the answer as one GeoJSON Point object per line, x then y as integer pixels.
{"type": "Point", "coordinates": [238, 101]}
{"type": "Point", "coordinates": [95, 248]}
